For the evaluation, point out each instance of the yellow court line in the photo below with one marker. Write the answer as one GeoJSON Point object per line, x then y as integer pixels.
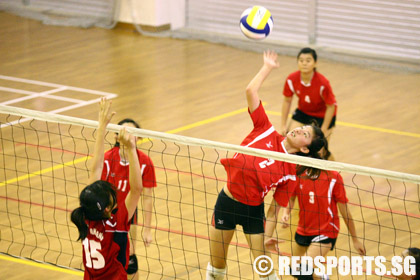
{"type": "Point", "coordinates": [366, 127]}
{"type": "Point", "coordinates": [49, 169]}
{"type": "Point", "coordinates": [41, 265]}
{"type": "Point", "coordinates": [385, 130]}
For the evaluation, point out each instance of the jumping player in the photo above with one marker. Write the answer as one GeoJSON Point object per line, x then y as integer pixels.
{"type": "Point", "coordinates": [103, 223]}
{"type": "Point", "coordinates": [320, 198]}
{"type": "Point", "coordinates": [250, 178]}
{"type": "Point", "coordinates": [316, 100]}
{"type": "Point", "coordinates": [114, 166]}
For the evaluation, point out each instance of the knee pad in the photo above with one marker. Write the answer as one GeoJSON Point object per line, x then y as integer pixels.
{"type": "Point", "coordinates": [298, 274]}
{"type": "Point", "coordinates": [132, 265]}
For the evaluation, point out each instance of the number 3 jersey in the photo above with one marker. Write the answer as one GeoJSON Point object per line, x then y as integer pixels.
{"type": "Point", "coordinates": [106, 247]}
{"type": "Point", "coordinates": [318, 214]}
{"type": "Point", "coordinates": [250, 178]}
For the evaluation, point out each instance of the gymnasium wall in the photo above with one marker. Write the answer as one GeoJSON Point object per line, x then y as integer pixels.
{"type": "Point", "coordinates": [369, 32]}
{"type": "Point", "coordinates": [375, 28]}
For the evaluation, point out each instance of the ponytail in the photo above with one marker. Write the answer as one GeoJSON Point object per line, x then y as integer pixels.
{"type": "Point", "coordinates": [78, 218]}
{"type": "Point", "coordinates": [318, 142]}
{"type": "Point", "coordinates": [93, 200]}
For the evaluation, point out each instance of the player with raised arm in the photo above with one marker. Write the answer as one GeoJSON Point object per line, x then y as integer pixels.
{"type": "Point", "coordinates": [103, 223]}
{"type": "Point", "coordinates": [250, 178]}
{"type": "Point", "coordinates": [114, 166]}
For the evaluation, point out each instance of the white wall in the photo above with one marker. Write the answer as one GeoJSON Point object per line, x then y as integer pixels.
{"type": "Point", "coordinates": [153, 12]}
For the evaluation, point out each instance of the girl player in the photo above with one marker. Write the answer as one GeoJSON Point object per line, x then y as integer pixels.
{"type": "Point", "coordinates": [250, 178]}
{"type": "Point", "coordinates": [316, 99]}
{"type": "Point", "coordinates": [114, 166]}
{"type": "Point", "coordinates": [320, 198]}
{"type": "Point", "coordinates": [103, 223]}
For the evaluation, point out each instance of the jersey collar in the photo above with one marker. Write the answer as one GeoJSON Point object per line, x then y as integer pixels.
{"type": "Point", "coordinates": [282, 145]}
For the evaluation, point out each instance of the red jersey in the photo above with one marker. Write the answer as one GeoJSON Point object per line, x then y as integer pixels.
{"type": "Point", "coordinates": [312, 97]}
{"type": "Point", "coordinates": [116, 172]}
{"type": "Point", "coordinates": [250, 178]}
{"type": "Point", "coordinates": [100, 251]}
{"type": "Point", "coordinates": [318, 214]}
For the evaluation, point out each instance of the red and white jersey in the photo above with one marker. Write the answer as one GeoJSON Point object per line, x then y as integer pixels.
{"type": "Point", "coordinates": [116, 172]}
{"type": "Point", "coordinates": [250, 178]}
{"type": "Point", "coordinates": [314, 96]}
{"type": "Point", "coordinates": [100, 251]}
{"type": "Point", "coordinates": [318, 214]}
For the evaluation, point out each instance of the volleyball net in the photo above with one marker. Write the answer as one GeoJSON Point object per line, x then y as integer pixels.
{"type": "Point", "coordinates": [44, 166]}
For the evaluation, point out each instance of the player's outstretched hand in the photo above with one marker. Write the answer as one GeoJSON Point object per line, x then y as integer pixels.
{"type": "Point", "coordinates": [126, 139]}
{"type": "Point", "coordinates": [270, 59]}
{"type": "Point", "coordinates": [105, 113]}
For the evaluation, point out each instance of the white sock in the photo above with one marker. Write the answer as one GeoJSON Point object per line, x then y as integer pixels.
{"type": "Point", "coordinates": [215, 273]}
{"type": "Point", "coordinates": [270, 277]}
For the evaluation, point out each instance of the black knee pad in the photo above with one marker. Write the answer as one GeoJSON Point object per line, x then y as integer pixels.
{"type": "Point", "coordinates": [132, 265]}
{"type": "Point", "coordinates": [297, 275]}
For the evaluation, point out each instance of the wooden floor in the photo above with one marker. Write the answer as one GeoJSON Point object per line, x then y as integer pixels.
{"type": "Point", "coordinates": [196, 89]}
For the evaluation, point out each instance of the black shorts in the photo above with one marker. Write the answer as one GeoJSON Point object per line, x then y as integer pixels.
{"type": "Point", "coordinates": [301, 117]}
{"type": "Point", "coordinates": [305, 241]}
{"type": "Point", "coordinates": [228, 213]}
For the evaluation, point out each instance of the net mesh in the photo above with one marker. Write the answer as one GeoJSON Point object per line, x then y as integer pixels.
{"type": "Point", "coordinates": [44, 166]}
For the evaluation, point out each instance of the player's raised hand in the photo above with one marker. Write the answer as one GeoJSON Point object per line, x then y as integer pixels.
{"type": "Point", "coordinates": [126, 139]}
{"type": "Point", "coordinates": [105, 113]}
{"type": "Point", "coordinates": [270, 59]}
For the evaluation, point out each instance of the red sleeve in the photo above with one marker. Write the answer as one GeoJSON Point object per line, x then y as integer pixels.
{"type": "Point", "coordinates": [147, 170]}
{"type": "Point", "coordinates": [287, 91]}
{"type": "Point", "coordinates": [284, 192]}
{"type": "Point", "coordinates": [108, 161]}
{"type": "Point", "coordinates": [339, 192]}
{"type": "Point", "coordinates": [327, 94]}
{"type": "Point", "coordinates": [259, 117]}
{"type": "Point", "coordinates": [148, 176]}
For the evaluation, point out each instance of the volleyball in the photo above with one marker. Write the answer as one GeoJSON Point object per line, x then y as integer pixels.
{"type": "Point", "coordinates": [256, 22]}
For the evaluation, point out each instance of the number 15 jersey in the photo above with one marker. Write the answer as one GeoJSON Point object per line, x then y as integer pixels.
{"type": "Point", "coordinates": [106, 247]}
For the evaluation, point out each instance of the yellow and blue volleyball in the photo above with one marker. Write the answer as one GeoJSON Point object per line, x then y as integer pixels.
{"type": "Point", "coordinates": [256, 22]}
